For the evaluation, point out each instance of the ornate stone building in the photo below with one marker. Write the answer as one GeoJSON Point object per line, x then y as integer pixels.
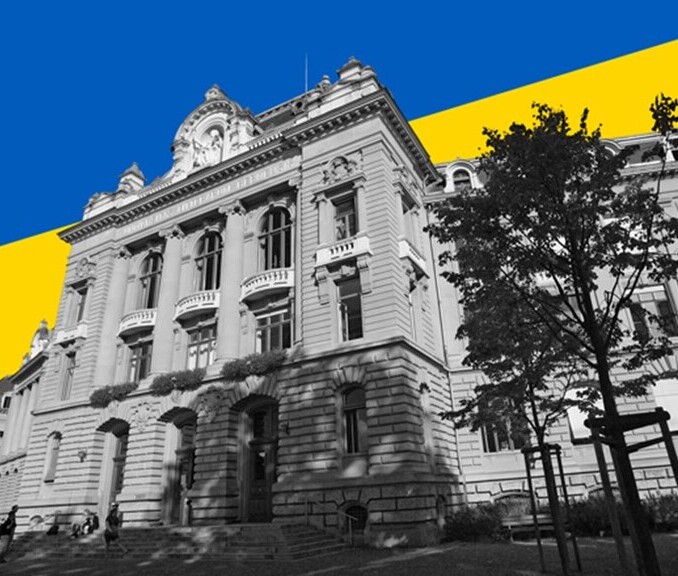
{"type": "Point", "coordinates": [298, 229]}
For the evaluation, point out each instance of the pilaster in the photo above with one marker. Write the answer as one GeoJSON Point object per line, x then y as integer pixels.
{"type": "Point", "coordinates": [228, 326]}
{"type": "Point", "coordinates": [115, 305]}
{"type": "Point", "coordinates": [163, 334]}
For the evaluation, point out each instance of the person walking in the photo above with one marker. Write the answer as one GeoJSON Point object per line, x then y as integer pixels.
{"type": "Point", "coordinates": [7, 529]}
{"type": "Point", "coordinates": [112, 531]}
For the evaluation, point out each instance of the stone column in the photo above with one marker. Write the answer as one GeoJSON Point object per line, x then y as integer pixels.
{"type": "Point", "coordinates": [115, 305]}
{"type": "Point", "coordinates": [228, 326]}
{"type": "Point", "coordinates": [163, 334]}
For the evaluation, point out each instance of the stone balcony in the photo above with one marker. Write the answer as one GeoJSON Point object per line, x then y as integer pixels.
{"type": "Point", "coordinates": [195, 304]}
{"type": "Point", "coordinates": [137, 321]}
{"type": "Point", "coordinates": [72, 333]}
{"type": "Point", "coordinates": [342, 250]}
{"type": "Point", "coordinates": [267, 283]}
{"type": "Point", "coordinates": [406, 250]}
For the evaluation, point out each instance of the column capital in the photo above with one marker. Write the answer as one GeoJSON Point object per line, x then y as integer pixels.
{"type": "Point", "coordinates": [232, 208]}
{"type": "Point", "coordinates": [172, 232]}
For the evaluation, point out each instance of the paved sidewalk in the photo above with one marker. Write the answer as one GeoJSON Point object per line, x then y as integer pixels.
{"type": "Point", "coordinates": [456, 559]}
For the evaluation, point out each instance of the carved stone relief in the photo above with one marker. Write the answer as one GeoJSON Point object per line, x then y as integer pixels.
{"type": "Point", "coordinates": [142, 414]}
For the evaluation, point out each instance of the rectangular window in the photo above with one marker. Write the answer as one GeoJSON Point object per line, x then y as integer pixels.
{"type": "Point", "coordinates": [355, 423]}
{"type": "Point", "coordinates": [274, 331]}
{"type": "Point", "coordinates": [69, 371]}
{"type": "Point", "coordinates": [345, 221]}
{"type": "Point", "coordinates": [140, 360]}
{"type": "Point", "coordinates": [53, 446]}
{"type": "Point", "coordinates": [80, 303]}
{"type": "Point", "coordinates": [202, 343]}
{"type": "Point", "coordinates": [502, 437]}
{"type": "Point", "coordinates": [6, 400]}
{"type": "Point", "coordinates": [652, 313]}
{"type": "Point", "coordinates": [350, 309]}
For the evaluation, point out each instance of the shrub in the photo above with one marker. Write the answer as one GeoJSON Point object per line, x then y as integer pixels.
{"type": "Point", "coordinates": [258, 364]}
{"type": "Point", "coordinates": [103, 396]}
{"type": "Point", "coordinates": [663, 511]}
{"type": "Point", "coordinates": [471, 523]}
{"type": "Point", "coordinates": [183, 380]}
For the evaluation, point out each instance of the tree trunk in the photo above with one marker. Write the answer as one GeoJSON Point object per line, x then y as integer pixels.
{"type": "Point", "coordinates": [552, 493]}
{"type": "Point", "coordinates": [641, 537]}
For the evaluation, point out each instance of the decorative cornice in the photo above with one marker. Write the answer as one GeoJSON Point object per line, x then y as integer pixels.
{"type": "Point", "coordinates": [380, 102]}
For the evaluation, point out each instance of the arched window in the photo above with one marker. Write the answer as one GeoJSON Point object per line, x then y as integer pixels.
{"type": "Point", "coordinates": [149, 280]}
{"type": "Point", "coordinates": [355, 424]}
{"type": "Point", "coordinates": [52, 457]}
{"type": "Point", "coordinates": [461, 180]}
{"type": "Point", "coordinates": [276, 239]}
{"type": "Point", "coordinates": [208, 261]}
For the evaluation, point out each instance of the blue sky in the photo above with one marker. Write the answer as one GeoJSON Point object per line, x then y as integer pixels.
{"type": "Point", "coordinates": [88, 89]}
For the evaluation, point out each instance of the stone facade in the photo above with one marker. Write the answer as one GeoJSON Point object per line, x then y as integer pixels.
{"type": "Point", "coordinates": [491, 472]}
{"type": "Point", "coordinates": [300, 228]}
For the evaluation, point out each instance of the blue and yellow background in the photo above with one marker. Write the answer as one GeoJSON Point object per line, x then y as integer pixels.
{"type": "Point", "coordinates": [90, 88]}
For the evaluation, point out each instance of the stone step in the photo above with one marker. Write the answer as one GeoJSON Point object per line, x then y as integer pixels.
{"type": "Point", "coordinates": [240, 542]}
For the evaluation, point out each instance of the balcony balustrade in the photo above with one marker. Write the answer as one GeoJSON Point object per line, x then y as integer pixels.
{"type": "Point", "coordinates": [72, 333]}
{"type": "Point", "coordinates": [342, 250]}
{"type": "Point", "coordinates": [406, 250]}
{"type": "Point", "coordinates": [137, 321]}
{"type": "Point", "coordinates": [194, 304]}
{"type": "Point", "coordinates": [266, 283]}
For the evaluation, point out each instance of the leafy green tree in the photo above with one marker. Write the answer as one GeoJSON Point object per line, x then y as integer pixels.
{"type": "Point", "coordinates": [558, 228]}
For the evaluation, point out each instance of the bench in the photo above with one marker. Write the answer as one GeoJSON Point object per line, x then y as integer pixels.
{"type": "Point", "coordinates": [524, 524]}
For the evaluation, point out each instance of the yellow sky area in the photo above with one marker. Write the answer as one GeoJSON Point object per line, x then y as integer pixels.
{"type": "Point", "coordinates": [33, 273]}
{"type": "Point", "coordinates": [618, 94]}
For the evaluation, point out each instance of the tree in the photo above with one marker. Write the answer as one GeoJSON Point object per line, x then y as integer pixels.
{"type": "Point", "coordinates": [559, 227]}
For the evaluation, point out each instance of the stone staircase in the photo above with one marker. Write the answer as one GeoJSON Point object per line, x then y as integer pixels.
{"type": "Point", "coordinates": [241, 542]}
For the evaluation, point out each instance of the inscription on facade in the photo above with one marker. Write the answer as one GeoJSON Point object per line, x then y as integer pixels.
{"type": "Point", "coordinates": [211, 195]}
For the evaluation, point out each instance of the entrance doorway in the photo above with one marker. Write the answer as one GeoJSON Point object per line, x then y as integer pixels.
{"type": "Point", "coordinates": [260, 461]}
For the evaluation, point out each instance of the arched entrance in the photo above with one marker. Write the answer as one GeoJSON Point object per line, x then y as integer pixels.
{"type": "Point", "coordinates": [178, 459]}
{"type": "Point", "coordinates": [258, 462]}
{"type": "Point", "coordinates": [113, 469]}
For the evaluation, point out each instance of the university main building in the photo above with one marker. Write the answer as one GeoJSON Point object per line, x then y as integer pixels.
{"type": "Point", "coordinates": [298, 229]}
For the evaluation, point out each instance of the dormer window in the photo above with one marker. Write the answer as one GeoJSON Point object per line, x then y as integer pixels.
{"type": "Point", "coordinates": [461, 180]}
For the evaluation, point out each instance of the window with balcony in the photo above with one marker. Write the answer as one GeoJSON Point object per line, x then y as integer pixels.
{"type": "Point", "coordinates": [503, 437]}
{"type": "Point", "coordinates": [652, 313]}
{"type": "Point", "coordinates": [202, 343]}
{"type": "Point", "coordinates": [208, 261]}
{"type": "Point", "coordinates": [140, 350]}
{"type": "Point", "coordinates": [274, 330]}
{"type": "Point", "coordinates": [345, 219]}
{"type": "Point", "coordinates": [52, 456]}
{"type": "Point", "coordinates": [354, 421]}
{"type": "Point", "coordinates": [276, 239]}
{"type": "Point", "coordinates": [149, 281]}
{"type": "Point", "coordinates": [350, 309]}
{"type": "Point", "coordinates": [68, 374]}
